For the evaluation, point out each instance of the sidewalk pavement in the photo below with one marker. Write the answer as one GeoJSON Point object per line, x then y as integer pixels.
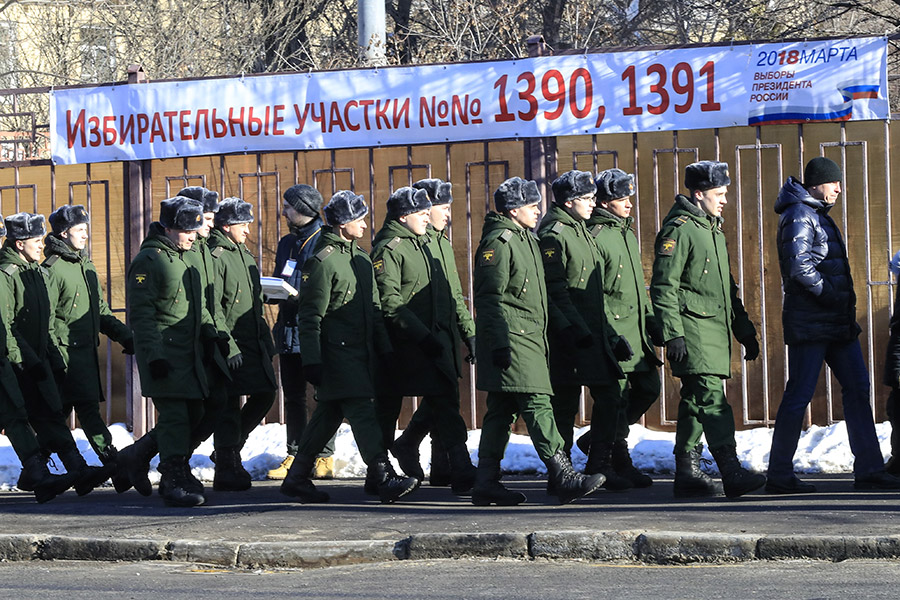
{"type": "Point", "coordinates": [261, 528]}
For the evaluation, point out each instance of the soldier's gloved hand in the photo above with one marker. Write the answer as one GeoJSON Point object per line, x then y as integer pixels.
{"type": "Point", "coordinates": [222, 342]}
{"type": "Point", "coordinates": [37, 372]}
{"type": "Point", "coordinates": [656, 334]}
{"type": "Point", "coordinates": [676, 349]}
{"type": "Point", "coordinates": [622, 350]}
{"type": "Point", "coordinates": [159, 368]}
{"type": "Point", "coordinates": [751, 348]}
{"type": "Point", "coordinates": [502, 358]}
{"type": "Point", "coordinates": [470, 346]}
{"type": "Point", "coordinates": [128, 346]}
{"type": "Point", "coordinates": [585, 341]}
{"type": "Point", "coordinates": [431, 346]}
{"type": "Point", "coordinates": [235, 362]}
{"type": "Point", "coordinates": [313, 374]}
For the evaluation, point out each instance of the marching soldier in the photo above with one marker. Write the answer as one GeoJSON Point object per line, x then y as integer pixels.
{"type": "Point", "coordinates": [14, 422]}
{"type": "Point", "coordinates": [31, 347]}
{"type": "Point", "coordinates": [628, 310]}
{"type": "Point", "coordinates": [584, 349]}
{"type": "Point", "coordinates": [239, 309]}
{"type": "Point", "coordinates": [81, 315]}
{"type": "Point", "coordinates": [302, 204]}
{"type": "Point", "coordinates": [695, 298]}
{"type": "Point", "coordinates": [341, 328]}
{"type": "Point", "coordinates": [419, 309]}
{"type": "Point", "coordinates": [511, 320]}
{"type": "Point", "coordinates": [171, 327]}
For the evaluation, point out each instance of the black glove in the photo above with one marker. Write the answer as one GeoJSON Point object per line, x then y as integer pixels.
{"type": "Point", "coordinates": [235, 362]}
{"type": "Point", "coordinates": [656, 334]}
{"type": "Point", "coordinates": [128, 346]}
{"type": "Point", "coordinates": [431, 346]}
{"type": "Point", "coordinates": [470, 346]}
{"type": "Point", "coordinates": [313, 374]}
{"type": "Point", "coordinates": [502, 358]}
{"type": "Point", "coordinates": [585, 341]}
{"type": "Point", "coordinates": [751, 348]}
{"type": "Point", "coordinates": [622, 350]}
{"type": "Point", "coordinates": [222, 343]}
{"type": "Point", "coordinates": [159, 368]}
{"type": "Point", "coordinates": [37, 372]}
{"type": "Point", "coordinates": [676, 349]}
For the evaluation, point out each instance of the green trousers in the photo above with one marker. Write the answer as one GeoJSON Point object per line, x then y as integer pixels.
{"type": "Point", "coordinates": [178, 418]}
{"type": "Point", "coordinates": [327, 418]}
{"type": "Point", "coordinates": [13, 418]}
{"type": "Point", "coordinates": [703, 410]}
{"type": "Point", "coordinates": [237, 422]}
{"type": "Point", "coordinates": [84, 399]}
{"type": "Point", "coordinates": [643, 391]}
{"type": "Point", "coordinates": [45, 413]}
{"type": "Point", "coordinates": [502, 410]}
{"type": "Point", "coordinates": [438, 413]}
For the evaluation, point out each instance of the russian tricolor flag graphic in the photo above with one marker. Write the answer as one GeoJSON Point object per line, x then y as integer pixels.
{"type": "Point", "coordinates": [783, 112]}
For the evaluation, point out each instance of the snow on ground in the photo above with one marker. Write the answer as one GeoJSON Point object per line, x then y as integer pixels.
{"type": "Point", "coordinates": [821, 450]}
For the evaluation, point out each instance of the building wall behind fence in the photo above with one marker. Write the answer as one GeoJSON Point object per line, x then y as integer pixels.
{"type": "Point", "coordinates": [760, 160]}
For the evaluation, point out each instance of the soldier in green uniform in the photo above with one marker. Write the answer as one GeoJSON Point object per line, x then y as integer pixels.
{"type": "Point", "coordinates": [419, 308]}
{"type": "Point", "coordinates": [441, 195]}
{"type": "Point", "coordinates": [584, 348]}
{"type": "Point", "coordinates": [239, 309]}
{"type": "Point", "coordinates": [81, 315]}
{"type": "Point", "coordinates": [171, 327]}
{"type": "Point", "coordinates": [39, 365]}
{"type": "Point", "coordinates": [14, 423]}
{"type": "Point", "coordinates": [511, 319]}
{"type": "Point", "coordinates": [695, 298]}
{"type": "Point", "coordinates": [628, 310]}
{"type": "Point", "coordinates": [341, 329]}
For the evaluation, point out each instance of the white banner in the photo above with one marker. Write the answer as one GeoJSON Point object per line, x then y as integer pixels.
{"type": "Point", "coordinates": [697, 88]}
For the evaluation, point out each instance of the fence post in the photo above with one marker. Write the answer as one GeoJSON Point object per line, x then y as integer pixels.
{"type": "Point", "coordinates": [539, 151]}
{"type": "Point", "coordinates": [135, 172]}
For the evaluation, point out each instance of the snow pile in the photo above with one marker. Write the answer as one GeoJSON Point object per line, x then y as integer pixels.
{"type": "Point", "coordinates": [821, 450]}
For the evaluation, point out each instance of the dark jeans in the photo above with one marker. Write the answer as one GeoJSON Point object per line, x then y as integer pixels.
{"type": "Point", "coordinates": [846, 361]}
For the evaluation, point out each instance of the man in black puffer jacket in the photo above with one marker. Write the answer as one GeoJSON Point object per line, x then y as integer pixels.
{"type": "Point", "coordinates": [819, 318]}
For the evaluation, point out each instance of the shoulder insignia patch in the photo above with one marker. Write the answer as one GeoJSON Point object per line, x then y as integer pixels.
{"type": "Point", "coordinates": [680, 221]}
{"type": "Point", "coordinates": [51, 260]}
{"type": "Point", "coordinates": [506, 236]}
{"type": "Point", "coordinates": [486, 258]}
{"type": "Point", "coordinates": [666, 247]}
{"type": "Point", "coordinates": [140, 278]}
{"type": "Point", "coordinates": [551, 254]}
{"type": "Point", "coordinates": [557, 227]}
{"type": "Point", "coordinates": [596, 229]}
{"type": "Point", "coordinates": [324, 253]}
{"type": "Point", "coordinates": [217, 251]}
{"type": "Point", "coordinates": [392, 245]}
{"type": "Point", "coordinates": [10, 269]}
{"type": "Point", "coordinates": [378, 265]}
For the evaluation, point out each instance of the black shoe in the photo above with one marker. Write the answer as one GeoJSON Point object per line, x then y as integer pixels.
{"type": "Point", "coordinates": [406, 450]}
{"type": "Point", "coordinates": [488, 490]}
{"type": "Point", "coordinates": [462, 471]}
{"type": "Point", "coordinates": [174, 483]}
{"type": "Point", "coordinates": [892, 466]}
{"type": "Point", "coordinates": [297, 483]}
{"type": "Point", "coordinates": [134, 466]}
{"type": "Point", "coordinates": [791, 485]}
{"type": "Point", "coordinates": [569, 484]}
{"type": "Point", "coordinates": [86, 477]}
{"type": "Point", "coordinates": [45, 485]}
{"type": "Point", "coordinates": [736, 480]}
{"type": "Point", "coordinates": [440, 465]}
{"type": "Point", "coordinates": [690, 480]}
{"type": "Point", "coordinates": [600, 461]}
{"type": "Point", "coordinates": [621, 462]}
{"type": "Point", "coordinates": [877, 481]}
{"type": "Point", "coordinates": [391, 487]}
{"type": "Point", "coordinates": [230, 474]}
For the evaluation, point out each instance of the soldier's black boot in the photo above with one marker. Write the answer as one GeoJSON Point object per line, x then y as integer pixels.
{"type": "Point", "coordinates": [600, 461]}
{"type": "Point", "coordinates": [440, 464]}
{"type": "Point", "coordinates": [174, 483]}
{"type": "Point", "coordinates": [488, 489]}
{"type": "Point", "coordinates": [621, 462]}
{"type": "Point", "coordinates": [406, 449]}
{"type": "Point", "coordinates": [391, 487]}
{"type": "Point", "coordinates": [193, 485]}
{"type": "Point", "coordinates": [690, 480]}
{"type": "Point", "coordinates": [297, 483]}
{"type": "Point", "coordinates": [462, 471]}
{"type": "Point", "coordinates": [45, 485]}
{"type": "Point", "coordinates": [570, 485]}
{"type": "Point", "coordinates": [230, 475]}
{"type": "Point", "coordinates": [736, 480]}
{"type": "Point", "coordinates": [134, 466]}
{"type": "Point", "coordinates": [893, 412]}
{"type": "Point", "coordinates": [25, 483]}
{"type": "Point", "coordinates": [86, 477]}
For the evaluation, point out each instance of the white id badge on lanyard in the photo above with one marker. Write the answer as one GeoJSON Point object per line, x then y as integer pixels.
{"type": "Point", "coordinates": [289, 267]}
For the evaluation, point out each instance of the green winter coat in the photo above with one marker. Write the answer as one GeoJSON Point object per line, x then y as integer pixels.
{"type": "Point", "coordinates": [27, 308]}
{"type": "Point", "coordinates": [165, 300]}
{"type": "Point", "coordinates": [442, 251]}
{"type": "Point", "coordinates": [693, 293]}
{"type": "Point", "coordinates": [416, 300]}
{"type": "Point", "coordinates": [201, 259]}
{"type": "Point", "coordinates": [339, 316]}
{"type": "Point", "coordinates": [511, 308]}
{"type": "Point", "coordinates": [81, 315]}
{"type": "Point", "coordinates": [239, 310]}
{"type": "Point", "coordinates": [573, 269]}
{"type": "Point", "coordinates": [627, 305]}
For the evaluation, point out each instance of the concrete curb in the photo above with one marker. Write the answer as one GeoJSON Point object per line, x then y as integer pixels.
{"type": "Point", "coordinates": [657, 547]}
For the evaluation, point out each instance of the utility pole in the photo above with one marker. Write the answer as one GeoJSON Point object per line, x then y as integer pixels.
{"type": "Point", "coordinates": [371, 26]}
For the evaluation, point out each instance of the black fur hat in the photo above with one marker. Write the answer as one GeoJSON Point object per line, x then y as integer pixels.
{"type": "Point", "coordinates": [439, 192]}
{"type": "Point", "coordinates": [571, 185]}
{"type": "Point", "coordinates": [181, 214]}
{"type": "Point", "coordinates": [24, 226]}
{"type": "Point", "coordinates": [344, 207]}
{"type": "Point", "coordinates": [305, 199]}
{"type": "Point", "coordinates": [208, 198]}
{"type": "Point", "coordinates": [233, 211]}
{"type": "Point", "coordinates": [613, 184]}
{"type": "Point", "coordinates": [68, 216]}
{"type": "Point", "coordinates": [516, 192]}
{"type": "Point", "coordinates": [406, 201]}
{"type": "Point", "coordinates": [706, 175]}
{"type": "Point", "coordinates": [2, 227]}
{"type": "Point", "coordinates": [821, 170]}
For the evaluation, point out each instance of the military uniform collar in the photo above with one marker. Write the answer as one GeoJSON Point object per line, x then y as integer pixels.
{"type": "Point", "coordinates": [57, 246]}
{"type": "Point", "coordinates": [684, 203]}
